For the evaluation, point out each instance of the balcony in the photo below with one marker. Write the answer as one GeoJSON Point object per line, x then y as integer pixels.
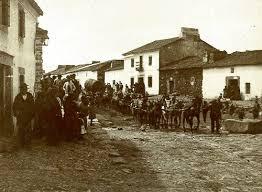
{"type": "Point", "coordinates": [140, 68]}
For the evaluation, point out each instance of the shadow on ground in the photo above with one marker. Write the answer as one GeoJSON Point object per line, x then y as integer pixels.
{"type": "Point", "coordinates": [96, 163]}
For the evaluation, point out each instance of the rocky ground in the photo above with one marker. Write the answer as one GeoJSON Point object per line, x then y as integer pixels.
{"type": "Point", "coordinates": [117, 155]}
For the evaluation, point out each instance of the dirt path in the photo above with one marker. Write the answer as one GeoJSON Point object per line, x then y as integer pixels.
{"type": "Point", "coordinates": [117, 156]}
{"type": "Point", "coordinates": [199, 162]}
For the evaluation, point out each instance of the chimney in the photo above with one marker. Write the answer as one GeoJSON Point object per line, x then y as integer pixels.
{"type": "Point", "coordinates": [190, 33]}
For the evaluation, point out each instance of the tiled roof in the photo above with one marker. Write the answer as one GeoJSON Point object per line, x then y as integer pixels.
{"type": "Point", "coordinates": [105, 66]}
{"type": "Point", "coordinates": [90, 67]}
{"type": "Point", "coordinates": [185, 63]}
{"type": "Point", "coordinates": [117, 66]}
{"type": "Point", "coordinates": [61, 70]}
{"type": "Point", "coordinates": [238, 58]}
{"type": "Point", "coordinates": [77, 68]}
{"type": "Point", "coordinates": [155, 45]}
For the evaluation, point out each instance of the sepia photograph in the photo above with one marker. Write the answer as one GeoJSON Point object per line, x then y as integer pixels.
{"type": "Point", "coordinates": [130, 96]}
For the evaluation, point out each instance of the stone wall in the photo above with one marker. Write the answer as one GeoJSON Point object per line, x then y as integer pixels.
{"type": "Point", "coordinates": [41, 36]}
{"type": "Point", "coordinates": [183, 48]}
{"type": "Point", "coordinates": [183, 78]}
{"type": "Point", "coordinates": [186, 81]}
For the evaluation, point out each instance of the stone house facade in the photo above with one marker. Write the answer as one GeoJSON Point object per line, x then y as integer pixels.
{"type": "Point", "coordinates": [183, 77]}
{"type": "Point", "coordinates": [40, 41]}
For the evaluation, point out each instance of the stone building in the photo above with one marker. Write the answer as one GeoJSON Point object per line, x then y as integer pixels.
{"type": "Point", "coordinates": [18, 23]}
{"type": "Point", "coordinates": [146, 62]}
{"type": "Point", "coordinates": [40, 41]}
{"type": "Point", "coordinates": [183, 77]}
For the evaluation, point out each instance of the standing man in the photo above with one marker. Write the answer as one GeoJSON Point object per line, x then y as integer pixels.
{"type": "Point", "coordinates": [215, 115]}
{"type": "Point", "coordinates": [23, 109]}
{"type": "Point", "coordinates": [256, 109]}
{"type": "Point", "coordinates": [59, 85]}
{"type": "Point", "coordinates": [69, 87]}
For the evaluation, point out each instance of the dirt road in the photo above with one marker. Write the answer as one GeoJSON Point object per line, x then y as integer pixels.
{"type": "Point", "coordinates": [198, 162]}
{"type": "Point", "coordinates": [117, 156]}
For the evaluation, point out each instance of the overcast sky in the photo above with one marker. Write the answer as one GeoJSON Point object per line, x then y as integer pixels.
{"type": "Point", "coordinates": [84, 30]}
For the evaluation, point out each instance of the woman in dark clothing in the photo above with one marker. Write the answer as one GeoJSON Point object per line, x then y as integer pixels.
{"type": "Point", "coordinates": [55, 117]}
{"type": "Point", "coordinates": [72, 127]}
{"type": "Point", "coordinates": [84, 110]}
{"type": "Point", "coordinates": [91, 110]}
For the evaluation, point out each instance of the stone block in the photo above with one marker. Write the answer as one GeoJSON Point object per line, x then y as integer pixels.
{"type": "Point", "coordinates": [250, 126]}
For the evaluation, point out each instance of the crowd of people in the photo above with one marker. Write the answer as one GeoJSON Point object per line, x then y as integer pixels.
{"type": "Point", "coordinates": [58, 111]}
{"type": "Point", "coordinates": [62, 108]}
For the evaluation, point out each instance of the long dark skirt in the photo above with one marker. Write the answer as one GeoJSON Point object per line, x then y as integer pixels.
{"type": "Point", "coordinates": [54, 130]}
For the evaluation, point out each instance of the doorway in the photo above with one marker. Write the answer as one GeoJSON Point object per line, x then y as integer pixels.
{"type": "Point", "coordinates": [171, 86]}
{"type": "Point", "coordinates": [232, 89]}
{"type": "Point", "coordinates": [5, 100]}
{"type": "Point", "coordinates": [140, 80]}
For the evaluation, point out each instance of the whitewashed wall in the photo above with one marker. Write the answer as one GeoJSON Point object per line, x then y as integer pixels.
{"type": "Point", "coordinates": [214, 80]}
{"type": "Point", "coordinates": [117, 75]}
{"type": "Point", "coordinates": [23, 52]}
{"type": "Point", "coordinates": [82, 76]}
{"type": "Point", "coordinates": [152, 70]}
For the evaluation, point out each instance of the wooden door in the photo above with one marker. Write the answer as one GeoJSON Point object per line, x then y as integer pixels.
{"type": "Point", "coordinates": [1, 98]}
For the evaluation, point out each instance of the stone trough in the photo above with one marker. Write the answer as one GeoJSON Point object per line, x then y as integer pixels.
{"type": "Point", "coordinates": [249, 126]}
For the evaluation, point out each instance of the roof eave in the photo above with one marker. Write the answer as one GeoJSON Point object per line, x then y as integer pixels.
{"type": "Point", "coordinates": [36, 7]}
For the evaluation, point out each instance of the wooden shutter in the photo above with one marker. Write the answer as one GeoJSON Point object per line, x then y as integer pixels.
{"type": "Point", "coordinates": [5, 8]}
{"type": "Point", "coordinates": [1, 12]}
{"type": "Point", "coordinates": [21, 23]}
{"type": "Point", "coordinates": [8, 13]}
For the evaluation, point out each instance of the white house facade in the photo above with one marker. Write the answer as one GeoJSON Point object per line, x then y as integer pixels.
{"type": "Point", "coordinates": [143, 67]}
{"type": "Point", "coordinates": [82, 76]}
{"type": "Point", "coordinates": [115, 76]}
{"type": "Point", "coordinates": [18, 23]}
{"type": "Point", "coordinates": [245, 68]}
{"type": "Point", "coordinates": [250, 80]}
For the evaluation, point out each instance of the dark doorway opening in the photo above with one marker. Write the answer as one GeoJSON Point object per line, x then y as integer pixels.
{"type": "Point", "coordinates": [6, 127]}
{"type": "Point", "coordinates": [232, 89]}
{"type": "Point", "coordinates": [171, 87]}
{"type": "Point", "coordinates": [140, 80]}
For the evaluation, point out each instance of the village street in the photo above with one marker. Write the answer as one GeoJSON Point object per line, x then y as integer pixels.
{"type": "Point", "coordinates": [117, 156]}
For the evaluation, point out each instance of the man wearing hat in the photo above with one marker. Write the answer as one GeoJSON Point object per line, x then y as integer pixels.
{"type": "Point", "coordinates": [215, 114]}
{"type": "Point", "coordinates": [23, 109]}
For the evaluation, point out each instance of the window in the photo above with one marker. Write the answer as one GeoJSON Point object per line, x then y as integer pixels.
{"type": "Point", "coordinates": [132, 81]}
{"type": "Point", "coordinates": [132, 62]}
{"type": "Point", "coordinates": [150, 83]}
{"type": "Point", "coordinates": [248, 88]}
{"type": "Point", "coordinates": [232, 70]}
{"type": "Point", "coordinates": [150, 60]}
{"type": "Point", "coordinates": [5, 12]}
{"type": "Point", "coordinates": [141, 61]}
{"type": "Point", "coordinates": [21, 24]}
{"type": "Point", "coordinates": [21, 79]}
{"type": "Point", "coordinates": [114, 82]}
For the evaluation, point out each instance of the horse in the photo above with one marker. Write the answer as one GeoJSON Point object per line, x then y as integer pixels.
{"type": "Point", "coordinates": [190, 112]}
{"type": "Point", "coordinates": [156, 114]}
{"type": "Point", "coordinates": [176, 114]}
